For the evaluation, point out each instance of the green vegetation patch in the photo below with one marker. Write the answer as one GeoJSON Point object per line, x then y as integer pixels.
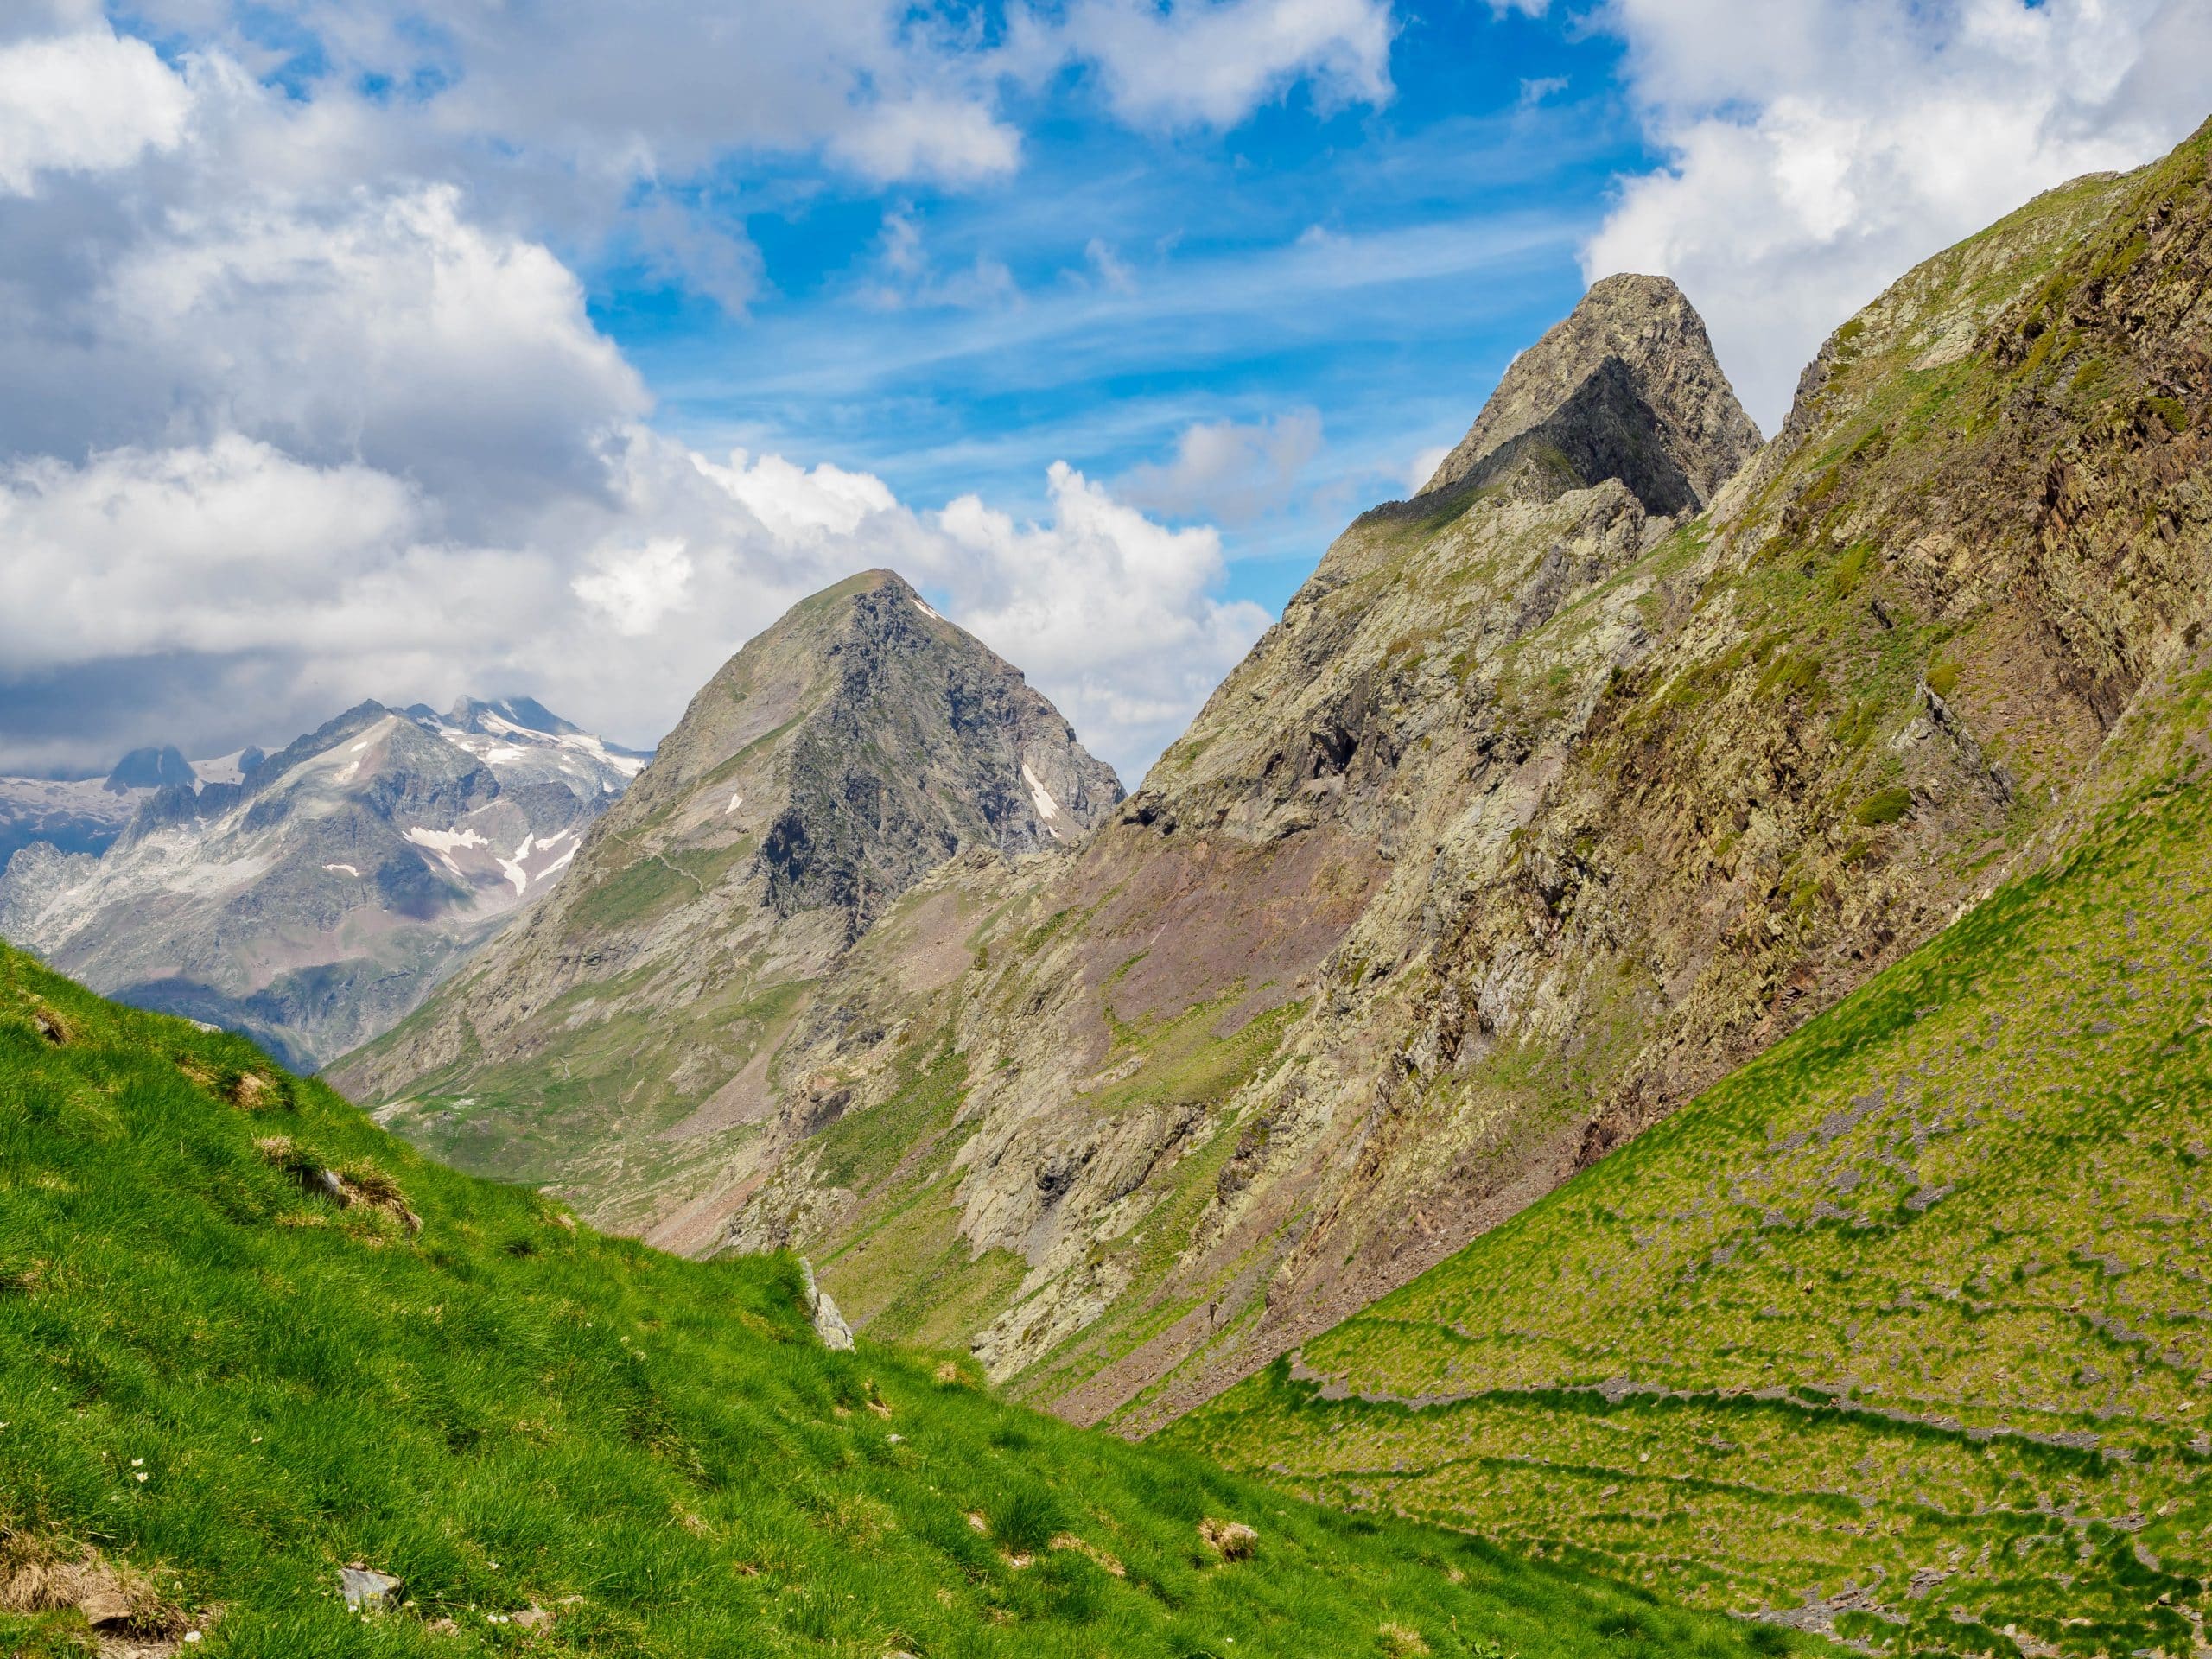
{"type": "Point", "coordinates": [1911, 1309]}
{"type": "Point", "coordinates": [225, 1379]}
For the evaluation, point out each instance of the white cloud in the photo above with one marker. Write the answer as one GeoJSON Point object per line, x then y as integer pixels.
{"type": "Point", "coordinates": [911, 280]}
{"type": "Point", "coordinates": [1111, 269]}
{"type": "Point", "coordinates": [201, 548]}
{"type": "Point", "coordinates": [389, 328]}
{"type": "Point", "coordinates": [928, 137]}
{"type": "Point", "coordinates": [1817, 151]}
{"type": "Point", "coordinates": [84, 102]}
{"type": "Point", "coordinates": [635, 589]}
{"type": "Point", "coordinates": [292, 422]}
{"type": "Point", "coordinates": [1423, 468]}
{"type": "Point", "coordinates": [1230, 472]}
{"type": "Point", "coordinates": [1111, 614]}
{"type": "Point", "coordinates": [1212, 62]}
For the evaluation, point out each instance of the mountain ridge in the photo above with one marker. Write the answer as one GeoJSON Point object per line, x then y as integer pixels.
{"type": "Point", "coordinates": [313, 897]}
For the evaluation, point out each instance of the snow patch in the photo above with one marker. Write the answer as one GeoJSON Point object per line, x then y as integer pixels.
{"type": "Point", "coordinates": [348, 868]}
{"type": "Point", "coordinates": [512, 868]}
{"type": "Point", "coordinates": [443, 842]}
{"type": "Point", "coordinates": [736, 801]}
{"type": "Point", "coordinates": [1041, 797]}
{"type": "Point", "coordinates": [924, 608]}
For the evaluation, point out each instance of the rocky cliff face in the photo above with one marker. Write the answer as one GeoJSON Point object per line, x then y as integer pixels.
{"type": "Point", "coordinates": [620, 1039]}
{"type": "Point", "coordinates": [1545, 803]}
{"type": "Point", "coordinates": [1934, 1259]}
{"type": "Point", "coordinates": [312, 898]}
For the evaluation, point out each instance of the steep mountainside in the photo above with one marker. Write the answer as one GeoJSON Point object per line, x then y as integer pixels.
{"type": "Point", "coordinates": [1901, 1331]}
{"type": "Point", "coordinates": [246, 1340]}
{"type": "Point", "coordinates": [314, 897]}
{"type": "Point", "coordinates": [1536, 814]}
{"type": "Point", "coordinates": [620, 1039]}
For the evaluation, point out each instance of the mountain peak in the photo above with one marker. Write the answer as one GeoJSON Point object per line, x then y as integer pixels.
{"type": "Point", "coordinates": [153, 767]}
{"type": "Point", "coordinates": [476, 715]}
{"type": "Point", "coordinates": [1626, 386]}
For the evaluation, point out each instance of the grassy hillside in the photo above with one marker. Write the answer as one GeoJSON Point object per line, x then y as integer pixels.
{"type": "Point", "coordinates": [1905, 1326]}
{"type": "Point", "coordinates": [222, 1378]}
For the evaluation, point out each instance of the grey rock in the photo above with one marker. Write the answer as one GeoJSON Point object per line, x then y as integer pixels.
{"type": "Point", "coordinates": [1626, 387]}
{"type": "Point", "coordinates": [367, 1590]}
{"type": "Point", "coordinates": [829, 1324]}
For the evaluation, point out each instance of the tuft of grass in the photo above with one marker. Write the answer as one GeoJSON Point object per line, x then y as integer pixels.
{"type": "Point", "coordinates": [1883, 806]}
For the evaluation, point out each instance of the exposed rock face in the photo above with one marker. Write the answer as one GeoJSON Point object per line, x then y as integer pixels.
{"type": "Point", "coordinates": [1535, 814]}
{"type": "Point", "coordinates": [312, 898]}
{"type": "Point", "coordinates": [1625, 388]}
{"type": "Point", "coordinates": [620, 1039]}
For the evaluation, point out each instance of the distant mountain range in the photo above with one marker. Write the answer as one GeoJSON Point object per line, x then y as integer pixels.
{"type": "Point", "coordinates": [312, 897]}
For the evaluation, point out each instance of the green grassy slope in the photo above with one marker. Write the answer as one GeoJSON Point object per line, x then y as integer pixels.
{"type": "Point", "coordinates": [218, 1378]}
{"type": "Point", "coordinates": [1905, 1326]}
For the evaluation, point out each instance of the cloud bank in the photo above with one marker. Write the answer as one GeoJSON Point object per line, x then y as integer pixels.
{"type": "Point", "coordinates": [294, 423]}
{"type": "Point", "coordinates": [1816, 150]}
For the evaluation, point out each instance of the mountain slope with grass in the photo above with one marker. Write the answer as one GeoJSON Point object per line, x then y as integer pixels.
{"type": "Point", "coordinates": [1546, 805]}
{"type": "Point", "coordinates": [1902, 1331]}
{"type": "Point", "coordinates": [248, 1340]}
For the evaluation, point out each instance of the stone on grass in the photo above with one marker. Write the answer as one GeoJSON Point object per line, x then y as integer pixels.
{"type": "Point", "coordinates": [366, 1590]}
{"type": "Point", "coordinates": [1231, 1539]}
{"type": "Point", "coordinates": [829, 1324]}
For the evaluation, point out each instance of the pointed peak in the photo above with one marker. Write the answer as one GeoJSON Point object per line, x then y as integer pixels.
{"type": "Point", "coordinates": [479, 714]}
{"type": "Point", "coordinates": [1626, 386]}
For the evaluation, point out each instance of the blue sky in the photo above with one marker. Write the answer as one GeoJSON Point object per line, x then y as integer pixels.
{"type": "Point", "coordinates": [374, 348]}
{"type": "Point", "coordinates": [1373, 267]}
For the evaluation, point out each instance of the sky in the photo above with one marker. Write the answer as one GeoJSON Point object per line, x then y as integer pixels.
{"type": "Point", "coordinates": [369, 348]}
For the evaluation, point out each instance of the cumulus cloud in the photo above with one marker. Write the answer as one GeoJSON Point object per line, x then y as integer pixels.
{"type": "Point", "coordinates": [1111, 614]}
{"type": "Point", "coordinates": [1230, 472]}
{"type": "Point", "coordinates": [614, 615]}
{"type": "Point", "coordinates": [1212, 62]}
{"type": "Point", "coordinates": [1814, 152]}
{"type": "Point", "coordinates": [1423, 468]}
{"type": "Point", "coordinates": [928, 137]}
{"type": "Point", "coordinates": [294, 419]}
{"type": "Point", "coordinates": [84, 102]}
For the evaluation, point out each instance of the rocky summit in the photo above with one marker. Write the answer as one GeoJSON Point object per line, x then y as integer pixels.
{"type": "Point", "coordinates": [622, 1041]}
{"type": "Point", "coordinates": [312, 897]}
{"type": "Point", "coordinates": [1627, 388]}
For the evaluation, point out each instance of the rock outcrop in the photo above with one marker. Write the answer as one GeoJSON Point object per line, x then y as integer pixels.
{"type": "Point", "coordinates": [1625, 388]}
